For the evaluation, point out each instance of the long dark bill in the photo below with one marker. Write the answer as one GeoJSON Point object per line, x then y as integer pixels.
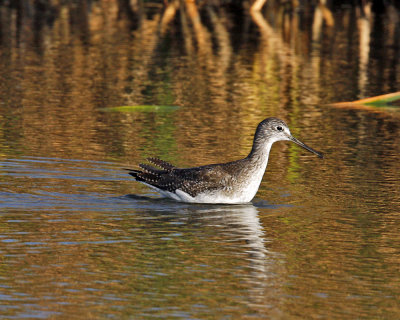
{"type": "Point", "coordinates": [301, 144]}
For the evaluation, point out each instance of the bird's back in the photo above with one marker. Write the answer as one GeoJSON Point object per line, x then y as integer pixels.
{"type": "Point", "coordinates": [203, 180]}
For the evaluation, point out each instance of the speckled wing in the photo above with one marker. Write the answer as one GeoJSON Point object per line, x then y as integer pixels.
{"type": "Point", "coordinates": [161, 163]}
{"type": "Point", "coordinates": [152, 175]}
{"type": "Point", "coordinates": [194, 181]}
{"type": "Point", "coordinates": [191, 180]}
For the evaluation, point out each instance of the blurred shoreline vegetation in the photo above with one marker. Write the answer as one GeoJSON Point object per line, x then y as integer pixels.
{"type": "Point", "coordinates": [202, 25]}
{"type": "Point", "coordinates": [212, 31]}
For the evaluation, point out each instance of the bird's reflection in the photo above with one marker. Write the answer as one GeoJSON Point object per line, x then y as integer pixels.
{"type": "Point", "coordinates": [238, 224]}
{"type": "Point", "coordinates": [242, 223]}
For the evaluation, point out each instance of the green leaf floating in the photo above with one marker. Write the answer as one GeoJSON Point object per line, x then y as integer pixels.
{"type": "Point", "coordinates": [383, 100]}
{"type": "Point", "coordinates": [386, 101]}
{"type": "Point", "coordinates": [141, 108]}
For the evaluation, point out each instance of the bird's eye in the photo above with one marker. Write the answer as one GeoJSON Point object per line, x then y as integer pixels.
{"type": "Point", "coordinates": [279, 128]}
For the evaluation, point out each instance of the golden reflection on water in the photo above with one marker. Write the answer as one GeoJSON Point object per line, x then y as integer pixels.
{"type": "Point", "coordinates": [330, 250]}
{"type": "Point", "coordinates": [166, 261]}
{"type": "Point", "coordinates": [58, 88]}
